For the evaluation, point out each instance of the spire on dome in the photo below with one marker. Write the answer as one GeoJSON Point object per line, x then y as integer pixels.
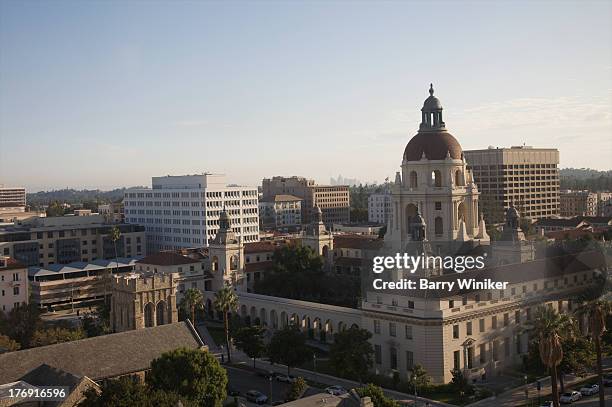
{"type": "Point", "coordinates": [431, 89]}
{"type": "Point", "coordinates": [432, 112]}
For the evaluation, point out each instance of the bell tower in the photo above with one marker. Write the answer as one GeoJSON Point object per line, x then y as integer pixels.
{"type": "Point", "coordinates": [226, 253]}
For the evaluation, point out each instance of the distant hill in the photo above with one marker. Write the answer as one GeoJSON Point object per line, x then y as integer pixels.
{"type": "Point", "coordinates": [585, 178]}
{"type": "Point", "coordinates": [73, 196]}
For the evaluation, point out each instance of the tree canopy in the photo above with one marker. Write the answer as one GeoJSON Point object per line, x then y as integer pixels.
{"type": "Point", "coordinates": [351, 353]}
{"type": "Point", "coordinates": [288, 346]}
{"type": "Point", "coordinates": [193, 374]}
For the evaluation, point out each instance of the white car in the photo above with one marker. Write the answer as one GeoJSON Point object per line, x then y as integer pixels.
{"type": "Point", "coordinates": [285, 378]}
{"type": "Point", "coordinates": [590, 390]}
{"type": "Point", "coordinates": [570, 397]}
{"type": "Point", "coordinates": [336, 390]}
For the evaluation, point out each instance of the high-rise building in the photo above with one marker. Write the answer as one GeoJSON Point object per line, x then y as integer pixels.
{"type": "Point", "coordinates": [333, 200]}
{"type": "Point", "coordinates": [525, 176]}
{"type": "Point", "coordinates": [578, 203]}
{"type": "Point", "coordinates": [66, 239]}
{"type": "Point", "coordinates": [379, 207]}
{"type": "Point", "coordinates": [12, 199]}
{"type": "Point", "coordinates": [183, 211]}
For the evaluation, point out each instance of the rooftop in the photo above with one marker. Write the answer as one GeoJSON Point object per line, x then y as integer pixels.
{"type": "Point", "coordinates": [78, 266]}
{"type": "Point", "coordinates": [103, 356]}
{"type": "Point", "coordinates": [167, 259]}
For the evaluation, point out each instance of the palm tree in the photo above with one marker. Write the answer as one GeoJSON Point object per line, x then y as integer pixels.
{"type": "Point", "coordinates": [114, 236]}
{"type": "Point", "coordinates": [549, 326]}
{"type": "Point", "coordinates": [226, 300]}
{"type": "Point", "coordinates": [191, 301]}
{"type": "Point", "coordinates": [596, 312]}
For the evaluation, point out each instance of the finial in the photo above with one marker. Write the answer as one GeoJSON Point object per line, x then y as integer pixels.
{"type": "Point", "coordinates": [431, 90]}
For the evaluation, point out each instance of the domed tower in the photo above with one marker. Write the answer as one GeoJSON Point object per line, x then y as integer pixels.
{"type": "Point", "coordinates": [436, 182]}
{"type": "Point", "coordinates": [226, 253]}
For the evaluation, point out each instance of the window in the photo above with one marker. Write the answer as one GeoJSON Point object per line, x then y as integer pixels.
{"type": "Point", "coordinates": [481, 324]}
{"type": "Point", "coordinates": [377, 354]}
{"type": "Point", "coordinates": [393, 358]}
{"type": "Point", "coordinates": [455, 331]}
{"type": "Point", "coordinates": [376, 326]}
{"type": "Point", "coordinates": [411, 304]}
{"type": "Point", "coordinates": [408, 331]}
{"type": "Point", "coordinates": [409, 360]}
{"type": "Point", "coordinates": [438, 206]}
{"type": "Point", "coordinates": [483, 354]}
{"type": "Point", "coordinates": [413, 179]}
{"type": "Point", "coordinates": [15, 290]}
{"type": "Point", "coordinates": [436, 178]}
{"type": "Point", "coordinates": [517, 317]}
{"type": "Point", "coordinates": [468, 328]}
{"type": "Point", "coordinates": [451, 304]}
{"type": "Point", "coordinates": [456, 360]}
{"type": "Point", "coordinates": [392, 329]}
{"type": "Point", "coordinates": [494, 321]}
{"type": "Point", "coordinates": [438, 226]}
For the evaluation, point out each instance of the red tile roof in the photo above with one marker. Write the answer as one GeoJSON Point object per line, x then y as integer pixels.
{"type": "Point", "coordinates": [260, 247]}
{"type": "Point", "coordinates": [167, 259]}
{"type": "Point", "coordinates": [12, 264]}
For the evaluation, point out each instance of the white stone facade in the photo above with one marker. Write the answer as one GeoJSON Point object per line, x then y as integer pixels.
{"type": "Point", "coordinates": [379, 207]}
{"type": "Point", "coordinates": [183, 211]}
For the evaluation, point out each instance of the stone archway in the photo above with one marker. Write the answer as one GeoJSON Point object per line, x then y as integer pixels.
{"type": "Point", "coordinates": [328, 328]}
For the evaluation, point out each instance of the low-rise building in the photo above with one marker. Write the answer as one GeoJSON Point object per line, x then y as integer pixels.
{"type": "Point", "coordinates": [578, 203]}
{"type": "Point", "coordinates": [112, 212]}
{"type": "Point", "coordinates": [281, 212]}
{"type": "Point", "coordinates": [75, 284]}
{"type": "Point", "coordinates": [13, 284]}
{"type": "Point", "coordinates": [128, 353]}
{"type": "Point", "coordinates": [12, 199]}
{"type": "Point", "coordinates": [66, 239]}
{"type": "Point", "coordinates": [358, 228]}
{"type": "Point", "coordinates": [546, 225]}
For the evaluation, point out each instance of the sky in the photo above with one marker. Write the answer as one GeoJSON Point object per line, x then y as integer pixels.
{"type": "Point", "coordinates": [103, 94]}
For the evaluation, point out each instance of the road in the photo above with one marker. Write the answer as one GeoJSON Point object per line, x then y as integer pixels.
{"type": "Point", "coordinates": [243, 381]}
{"type": "Point", "coordinates": [593, 401]}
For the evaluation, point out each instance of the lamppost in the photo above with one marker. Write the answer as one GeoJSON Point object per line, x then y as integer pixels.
{"type": "Point", "coordinates": [526, 390]}
{"type": "Point", "coordinates": [270, 381]}
{"type": "Point", "coordinates": [314, 365]}
{"type": "Point", "coordinates": [413, 378]}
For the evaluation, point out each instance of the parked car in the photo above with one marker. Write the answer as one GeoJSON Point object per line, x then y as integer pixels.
{"type": "Point", "coordinates": [286, 378]}
{"type": "Point", "coordinates": [570, 397]}
{"type": "Point", "coordinates": [336, 390]}
{"type": "Point", "coordinates": [547, 403]}
{"type": "Point", "coordinates": [589, 390]}
{"type": "Point", "coordinates": [257, 397]}
{"type": "Point", "coordinates": [232, 391]}
{"type": "Point", "coordinates": [607, 380]}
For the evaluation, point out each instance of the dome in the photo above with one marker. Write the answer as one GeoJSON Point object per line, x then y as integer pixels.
{"type": "Point", "coordinates": [435, 145]}
{"type": "Point", "coordinates": [432, 103]}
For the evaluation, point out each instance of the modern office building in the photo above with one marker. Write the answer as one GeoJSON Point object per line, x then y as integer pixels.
{"type": "Point", "coordinates": [66, 239]}
{"type": "Point", "coordinates": [12, 199]}
{"type": "Point", "coordinates": [13, 284]}
{"type": "Point", "coordinates": [183, 211]}
{"type": "Point", "coordinates": [379, 207]}
{"type": "Point", "coordinates": [525, 176]}
{"type": "Point", "coordinates": [281, 212]}
{"type": "Point", "coordinates": [578, 203]}
{"type": "Point", "coordinates": [333, 200]}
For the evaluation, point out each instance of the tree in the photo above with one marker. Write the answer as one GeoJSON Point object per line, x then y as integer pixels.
{"type": "Point", "coordinates": [97, 322]}
{"type": "Point", "coordinates": [351, 353]}
{"type": "Point", "coordinates": [377, 396]}
{"type": "Point", "coordinates": [288, 346]}
{"type": "Point", "coordinates": [125, 391]}
{"type": "Point", "coordinates": [596, 312]}
{"type": "Point", "coordinates": [297, 389]}
{"type": "Point", "coordinates": [419, 379]}
{"type": "Point", "coordinates": [296, 259]}
{"type": "Point", "coordinates": [55, 208]}
{"type": "Point", "coordinates": [8, 345]}
{"type": "Point", "coordinates": [21, 323]}
{"type": "Point", "coordinates": [226, 301]}
{"type": "Point", "coordinates": [50, 336]}
{"type": "Point", "coordinates": [460, 383]}
{"type": "Point", "coordinates": [191, 301]}
{"type": "Point", "coordinates": [191, 373]}
{"type": "Point", "coordinates": [549, 327]}
{"type": "Point", "coordinates": [250, 341]}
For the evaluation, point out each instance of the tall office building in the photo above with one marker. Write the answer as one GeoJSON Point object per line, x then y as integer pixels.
{"type": "Point", "coordinates": [12, 199]}
{"type": "Point", "coordinates": [523, 175]}
{"type": "Point", "coordinates": [333, 200]}
{"type": "Point", "coordinates": [183, 211]}
{"type": "Point", "coordinates": [379, 207]}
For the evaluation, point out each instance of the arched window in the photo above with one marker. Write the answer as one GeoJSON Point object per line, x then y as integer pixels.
{"type": "Point", "coordinates": [436, 178]}
{"type": "Point", "coordinates": [234, 263]}
{"type": "Point", "coordinates": [438, 226]}
{"type": "Point", "coordinates": [413, 180]}
{"type": "Point", "coordinates": [160, 312]}
{"type": "Point", "coordinates": [458, 178]}
{"type": "Point", "coordinates": [149, 315]}
{"type": "Point", "coordinates": [214, 265]}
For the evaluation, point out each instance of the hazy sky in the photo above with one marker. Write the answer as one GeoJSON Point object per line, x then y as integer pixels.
{"type": "Point", "coordinates": [107, 94]}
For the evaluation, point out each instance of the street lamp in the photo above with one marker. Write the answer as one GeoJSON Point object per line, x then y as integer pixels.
{"type": "Point", "coordinates": [270, 380]}
{"type": "Point", "coordinates": [526, 390]}
{"type": "Point", "coordinates": [314, 365]}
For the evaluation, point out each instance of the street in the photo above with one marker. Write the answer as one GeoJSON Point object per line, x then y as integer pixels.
{"type": "Point", "coordinates": [593, 401]}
